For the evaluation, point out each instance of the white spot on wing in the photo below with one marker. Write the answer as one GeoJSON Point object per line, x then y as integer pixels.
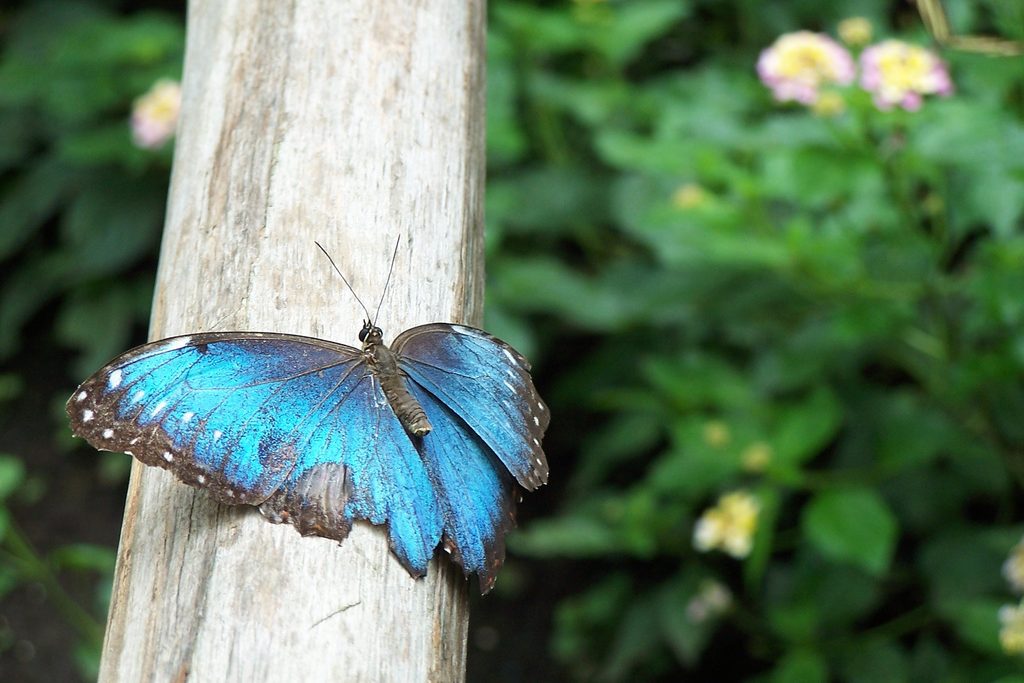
{"type": "Point", "coordinates": [107, 433]}
{"type": "Point", "coordinates": [158, 407]}
{"type": "Point", "coordinates": [167, 456]}
{"type": "Point", "coordinates": [217, 434]}
{"type": "Point", "coordinates": [536, 420]}
{"type": "Point", "coordinates": [177, 343]}
{"type": "Point", "coordinates": [87, 415]}
{"type": "Point", "coordinates": [135, 440]}
{"type": "Point", "coordinates": [81, 396]}
{"type": "Point", "coordinates": [201, 479]}
{"type": "Point", "coordinates": [138, 396]}
{"type": "Point", "coordinates": [115, 379]}
{"type": "Point", "coordinates": [535, 442]}
{"type": "Point", "coordinates": [510, 356]}
{"type": "Point", "coordinates": [505, 382]}
{"type": "Point", "coordinates": [187, 416]}
{"type": "Point", "coordinates": [540, 406]}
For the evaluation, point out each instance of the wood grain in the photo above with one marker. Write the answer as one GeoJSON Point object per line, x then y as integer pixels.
{"type": "Point", "coordinates": [353, 123]}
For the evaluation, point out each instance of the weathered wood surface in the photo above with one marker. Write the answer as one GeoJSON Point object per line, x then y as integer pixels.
{"type": "Point", "coordinates": [350, 122]}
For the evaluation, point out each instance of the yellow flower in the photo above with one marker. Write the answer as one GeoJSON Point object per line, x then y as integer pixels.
{"type": "Point", "coordinates": [855, 31]}
{"type": "Point", "coordinates": [728, 526]}
{"type": "Point", "coordinates": [756, 456]}
{"type": "Point", "coordinates": [716, 433]}
{"type": "Point", "coordinates": [1011, 628]}
{"type": "Point", "coordinates": [155, 114]}
{"type": "Point", "coordinates": [1013, 568]}
{"type": "Point", "coordinates": [689, 196]}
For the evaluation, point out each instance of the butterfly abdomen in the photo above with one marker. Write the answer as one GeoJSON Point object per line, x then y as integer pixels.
{"type": "Point", "coordinates": [392, 382]}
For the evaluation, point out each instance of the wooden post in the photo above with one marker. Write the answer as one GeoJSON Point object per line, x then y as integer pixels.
{"type": "Point", "coordinates": [351, 123]}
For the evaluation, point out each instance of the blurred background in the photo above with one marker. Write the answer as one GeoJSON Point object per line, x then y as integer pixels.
{"type": "Point", "coordinates": [767, 258]}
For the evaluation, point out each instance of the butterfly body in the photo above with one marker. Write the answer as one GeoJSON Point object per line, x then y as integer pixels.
{"type": "Point", "coordinates": [384, 364]}
{"type": "Point", "coordinates": [429, 437]}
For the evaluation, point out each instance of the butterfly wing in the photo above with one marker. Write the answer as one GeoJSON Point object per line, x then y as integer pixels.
{"type": "Point", "coordinates": [487, 384]}
{"type": "Point", "coordinates": [219, 409]}
{"type": "Point", "coordinates": [357, 462]}
{"type": "Point", "coordinates": [475, 495]}
{"type": "Point", "coordinates": [297, 424]}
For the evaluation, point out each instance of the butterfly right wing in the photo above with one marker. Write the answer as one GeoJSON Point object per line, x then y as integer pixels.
{"type": "Point", "coordinates": [487, 384]}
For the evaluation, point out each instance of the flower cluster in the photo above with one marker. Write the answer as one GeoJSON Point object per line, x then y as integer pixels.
{"type": "Point", "coordinates": [805, 67]}
{"type": "Point", "coordinates": [155, 114]}
{"type": "Point", "coordinates": [900, 74]}
{"type": "Point", "coordinates": [799, 64]}
{"type": "Point", "coordinates": [1011, 628]}
{"type": "Point", "coordinates": [729, 525]}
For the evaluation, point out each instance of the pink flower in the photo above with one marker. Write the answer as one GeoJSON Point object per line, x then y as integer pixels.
{"type": "Point", "coordinates": [797, 65]}
{"type": "Point", "coordinates": [155, 114]}
{"type": "Point", "coordinates": [900, 74]}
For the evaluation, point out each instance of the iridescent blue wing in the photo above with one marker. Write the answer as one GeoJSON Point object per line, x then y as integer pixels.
{"type": "Point", "coordinates": [219, 410]}
{"type": "Point", "coordinates": [487, 384]}
{"type": "Point", "coordinates": [357, 462]}
{"type": "Point", "coordinates": [295, 423]}
{"type": "Point", "coordinates": [475, 494]}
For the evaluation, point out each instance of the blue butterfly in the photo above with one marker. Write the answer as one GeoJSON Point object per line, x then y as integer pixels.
{"type": "Point", "coordinates": [428, 437]}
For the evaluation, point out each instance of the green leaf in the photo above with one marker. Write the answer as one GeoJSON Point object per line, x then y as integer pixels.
{"type": "Point", "coordinates": [852, 525]}
{"type": "Point", "coordinates": [804, 428]}
{"type": "Point", "coordinates": [800, 666]}
{"type": "Point", "coordinates": [114, 221]}
{"type": "Point", "coordinates": [874, 660]}
{"type": "Point", "coordinates": [636, 638]}
{"type": "Point", "coordinates": [31, 199]}
{"type": "Point", "coordinates": [84, 556]}
{"type": "Point", "coordinates": [547, 285]}
{"type": "Point", "coordinates": [12, 475]}
{"type": "Point", "coordinates": [962, 564]}
{"type": "Point", "coordinates": [567, 536]}
{"type": "Point", "coordinates": [976, 622]}
{"type": "Point", "coordinates": [633, 25]}
{"type": "Point", "coordinates": [550, 200]}
{"type": "Point", "coordinates": [506, 141]}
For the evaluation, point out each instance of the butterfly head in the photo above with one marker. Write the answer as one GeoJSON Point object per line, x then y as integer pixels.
{"type": "Point", "coordinates": [370, 334]}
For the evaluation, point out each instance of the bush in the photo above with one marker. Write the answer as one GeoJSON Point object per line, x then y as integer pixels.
{"type": "Point", "coordinates": [811, 312]}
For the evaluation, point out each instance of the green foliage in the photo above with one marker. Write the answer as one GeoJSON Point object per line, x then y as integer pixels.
{"type": "Point", "coordinates": [80, 214]}
{"type": "Point", "coordinates": [725, 294]}
{"type": "Point", "coordinates": [80, 205]}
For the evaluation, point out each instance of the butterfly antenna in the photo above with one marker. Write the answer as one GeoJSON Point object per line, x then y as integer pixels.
{"type": "Point", "coordinates": [343, 278]}
{"type": "Point", "coordinates": [394, 255]}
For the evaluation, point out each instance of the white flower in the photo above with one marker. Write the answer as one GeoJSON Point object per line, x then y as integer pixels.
{"type": "Point", "coordinates": [728, 526]}
{"type": "Point", "coordinates": [155, 114]}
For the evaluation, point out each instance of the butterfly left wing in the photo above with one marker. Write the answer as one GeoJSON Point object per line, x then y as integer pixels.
{"type": "Point", "coordinates": [219, 410]}
{"type": "Point", "coordinates": [487, 384]}
{"type": "Point", "coordinates": [296, 425]}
